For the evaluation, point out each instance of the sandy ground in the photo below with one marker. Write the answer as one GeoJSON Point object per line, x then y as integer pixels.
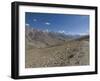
{"type": "Point", "coordinates": [73, 53]}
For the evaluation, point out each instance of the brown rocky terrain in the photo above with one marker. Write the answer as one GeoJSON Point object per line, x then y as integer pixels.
{"type": "Point", "coordinates": [43, 49]}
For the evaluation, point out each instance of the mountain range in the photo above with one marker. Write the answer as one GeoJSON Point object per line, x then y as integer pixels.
{"type": "Point", "coordinates": [38, 38]}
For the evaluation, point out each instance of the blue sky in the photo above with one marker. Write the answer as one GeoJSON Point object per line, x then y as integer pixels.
{"type": "Point", "coordinates": [63, 23]}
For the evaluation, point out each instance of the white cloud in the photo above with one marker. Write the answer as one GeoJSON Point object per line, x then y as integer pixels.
{"type": "Point", "coordinates": [34, 19]}
{"type": "Point", "coordinates": [27, 24]}
{"type": "Point", "coordinates": [47, 23]}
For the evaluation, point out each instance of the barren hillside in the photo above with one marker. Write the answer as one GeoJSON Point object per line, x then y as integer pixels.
{"type": "Point", "coordinates": [45, 50]}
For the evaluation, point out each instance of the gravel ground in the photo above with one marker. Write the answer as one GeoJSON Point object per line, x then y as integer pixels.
{"type": "Point", "coordinates": [73, 53]}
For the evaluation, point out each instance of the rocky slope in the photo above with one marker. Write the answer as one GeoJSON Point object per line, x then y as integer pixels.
{"type": "Point", "coordinates": [44, 49]}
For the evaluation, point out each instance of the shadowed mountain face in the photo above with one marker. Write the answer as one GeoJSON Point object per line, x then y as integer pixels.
{"type": "Point", "coordinates": [52, 49]}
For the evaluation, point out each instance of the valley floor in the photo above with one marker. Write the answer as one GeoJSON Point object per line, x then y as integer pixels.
{"type": "Point", "coordinates": [72, 53]}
